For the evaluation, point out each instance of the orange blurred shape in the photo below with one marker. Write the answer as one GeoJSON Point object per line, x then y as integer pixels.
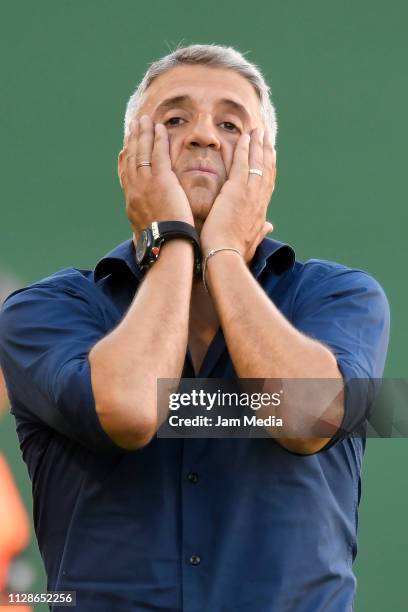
{"type": "Point", "coordinates": [3, 394]}
{"type": "Point", "coordinates": [14, 524]}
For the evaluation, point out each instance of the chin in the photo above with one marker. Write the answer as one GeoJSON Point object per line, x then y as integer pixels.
{"type": "Point", "coordinates": [198, 224]}
{"type": "Point", "coordinates": [201, 202]}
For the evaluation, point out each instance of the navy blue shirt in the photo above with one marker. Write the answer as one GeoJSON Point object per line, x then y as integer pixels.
{"type": "Point", "coordinates": [209, 525]}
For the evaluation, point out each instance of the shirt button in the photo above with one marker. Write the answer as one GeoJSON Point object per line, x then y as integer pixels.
{"type": "Point", "coordinates": [192, 477]}
{"type": "Point", "coordinates": [195, 560]}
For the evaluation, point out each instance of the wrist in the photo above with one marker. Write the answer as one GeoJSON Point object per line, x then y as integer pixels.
{"type": "Point", "coordinates": [212, 253]}
{"type": "Point", "coordinates": [153, 238]}
{"type": "Point", "coordinates": [179, 249]}
{"type": "Point", "coordinates": [215, 241]}
{"type": "Point", "coordinates": [176, 258]}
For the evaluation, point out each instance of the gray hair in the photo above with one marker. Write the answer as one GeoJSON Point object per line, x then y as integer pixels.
{"type": "Point", "coordinates": [209, 55]}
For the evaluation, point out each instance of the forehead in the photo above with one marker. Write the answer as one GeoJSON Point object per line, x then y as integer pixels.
{"type": "Point", "coordinates": [205, 85]}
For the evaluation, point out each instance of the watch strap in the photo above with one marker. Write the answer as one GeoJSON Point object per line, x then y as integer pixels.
{"type": "Point", "coordinates": [177, 229]}
{"type": "Point", "coordinates": [160, 232]}
{"type": "Point", "coordinates": [169, 230]}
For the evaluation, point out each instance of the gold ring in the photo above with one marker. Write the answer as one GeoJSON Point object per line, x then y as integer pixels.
{"type": "Point", "coordinates": [145, 163]}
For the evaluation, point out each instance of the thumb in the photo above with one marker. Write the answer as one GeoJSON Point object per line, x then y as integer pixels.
{"type": "Point", "coordinates": [267, 228]}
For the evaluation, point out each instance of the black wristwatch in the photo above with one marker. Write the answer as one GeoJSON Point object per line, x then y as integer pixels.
{"type": "Point", "coordinates": [151, 239]}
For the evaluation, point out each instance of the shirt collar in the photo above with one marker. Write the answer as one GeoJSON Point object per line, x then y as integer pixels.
{"type": "Point", "coordinates": [122, 257]}
{"type": "Point", "coordinates": [280, 256]}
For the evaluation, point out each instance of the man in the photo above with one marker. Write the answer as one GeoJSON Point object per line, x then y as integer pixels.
{"type": "Point", "coordinates": [132, 521]}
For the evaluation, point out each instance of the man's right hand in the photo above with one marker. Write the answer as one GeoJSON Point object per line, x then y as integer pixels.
{"type": "Point", "coordinates": [152, 193]}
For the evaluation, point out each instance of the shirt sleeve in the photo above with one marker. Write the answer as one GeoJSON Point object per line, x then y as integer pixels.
{"type": "Point", "coordinates": [347, 311]}
{"type": "Point", "coordinates": [46, 333]}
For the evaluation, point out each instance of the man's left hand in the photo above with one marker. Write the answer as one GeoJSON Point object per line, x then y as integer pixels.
{"type": "Point", "coordinates": [238, 215]}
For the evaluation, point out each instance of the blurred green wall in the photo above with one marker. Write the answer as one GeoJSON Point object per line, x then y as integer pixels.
{"type": "Point", "coordinates": [337, 74]}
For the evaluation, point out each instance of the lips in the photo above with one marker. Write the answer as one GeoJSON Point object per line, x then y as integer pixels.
{"type": "Point", "coordinates": [201, 167]}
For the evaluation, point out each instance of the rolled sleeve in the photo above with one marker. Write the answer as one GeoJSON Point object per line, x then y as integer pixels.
{"type": "Point", "coordinates": [46, 334]}
{"type": "Point", "coordinates": [347, 311]}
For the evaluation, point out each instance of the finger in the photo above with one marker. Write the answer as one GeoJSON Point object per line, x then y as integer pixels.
{"type": "Point", "coordinates": [145, 146]}
{"type": "Point", "coordinates": [129, 172]}
{"type": "Point", "coordinates": [239, 167]}
{"type": "Point", "coordinates": [269, 157]}
{"type": "Point", "coordinates": [266, 229]}
{"type": "Point", "coordinates": [274, 179]}
{"type": "Point", "coordinates": [256, 158]}
{"type": "Point", "coordinates": [130, 129]}
{"type": "Point", "coordinates": [161, 161]}
{"type": "Point", "coordinates": [132, 136]}
{"type": "Point", "coordinates": [269, 167]}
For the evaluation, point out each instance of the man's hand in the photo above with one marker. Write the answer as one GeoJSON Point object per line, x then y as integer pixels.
{"type": "Point", "coordinates": [152, 193]}
{"type": "Point", "coordinates": [238, 215]}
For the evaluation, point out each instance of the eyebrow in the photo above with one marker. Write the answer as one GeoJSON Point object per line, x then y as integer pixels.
{"type": "Point", "coordinates": [180, 100]}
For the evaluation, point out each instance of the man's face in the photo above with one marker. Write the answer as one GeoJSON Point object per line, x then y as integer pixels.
{"type": "Point", "coordinates": [204, 110]}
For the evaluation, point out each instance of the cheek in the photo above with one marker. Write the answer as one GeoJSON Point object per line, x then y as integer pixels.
{"type": "Point", "coordinates": [174, 148]}
{"type": "Point", "coordinates": [227, 156]}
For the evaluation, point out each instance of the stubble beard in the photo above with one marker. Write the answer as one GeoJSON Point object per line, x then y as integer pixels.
{"type": "Point", "coordinates": [201, 200]}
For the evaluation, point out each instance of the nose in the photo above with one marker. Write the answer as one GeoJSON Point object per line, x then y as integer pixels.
{"type": "Point", "coordinates": [203, 133]}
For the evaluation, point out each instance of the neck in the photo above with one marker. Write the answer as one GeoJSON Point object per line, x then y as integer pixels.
{"type": "Point", "coordinates": [203, 316]}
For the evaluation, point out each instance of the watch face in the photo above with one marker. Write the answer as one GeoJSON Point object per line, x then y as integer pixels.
{"type": "Point", "coordinates": [142, 245]}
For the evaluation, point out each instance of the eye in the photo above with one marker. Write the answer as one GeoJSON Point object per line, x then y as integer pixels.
{"type": "Point", "coordinates": [174, 121]}
{"type": "Point", "coordinates": [229, 126]}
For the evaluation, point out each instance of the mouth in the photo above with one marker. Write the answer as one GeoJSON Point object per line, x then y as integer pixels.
{"type": "Point", "coordinates": [201, 169]}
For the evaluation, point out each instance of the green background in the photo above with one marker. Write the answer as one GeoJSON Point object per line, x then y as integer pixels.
{"type": "Point", "coordinates": [338, 75]}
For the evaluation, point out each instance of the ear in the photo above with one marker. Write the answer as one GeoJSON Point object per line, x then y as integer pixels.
{"type": "Point", "coordinates": [120, 163]}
